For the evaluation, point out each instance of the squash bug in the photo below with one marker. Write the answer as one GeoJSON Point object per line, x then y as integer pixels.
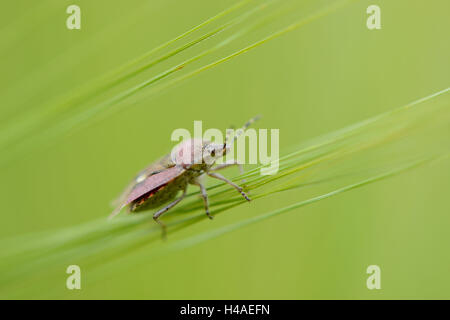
{"type": "Point", "coordinates": [188, 163]}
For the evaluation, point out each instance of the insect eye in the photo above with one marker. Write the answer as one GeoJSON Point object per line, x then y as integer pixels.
{"type": "Point", "coordinates": [213, 153]}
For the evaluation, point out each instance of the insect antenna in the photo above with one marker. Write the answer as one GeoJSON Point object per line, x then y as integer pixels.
{"type": "Point", "coordinates": [239, 131]}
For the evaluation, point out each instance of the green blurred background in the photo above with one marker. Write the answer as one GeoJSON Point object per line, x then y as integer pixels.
{"type": "Point", "coordinates": [325, 75]}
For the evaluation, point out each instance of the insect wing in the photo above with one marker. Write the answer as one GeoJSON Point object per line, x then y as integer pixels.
{"type": "Point", "coordinates": [150, 183]}
{"type": "Point", "coordinates": [156, 167]}
{"type": "Point", "coordinates": [152, 169]}
{"type": "Point", "coordinates": [153, 182]}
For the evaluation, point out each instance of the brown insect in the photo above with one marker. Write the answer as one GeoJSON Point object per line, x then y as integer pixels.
{"type": "Point", "coordinates": [188, 163]}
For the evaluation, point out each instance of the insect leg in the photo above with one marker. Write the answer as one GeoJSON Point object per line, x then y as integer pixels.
{"type": "Point", "coordinates": [229, 164]}
{"type": "Point", "coordinates": [204, 196]}
{"type": "Point", "coordinates": [165, 209]}
{"type": "Point", "coordinates": [220, 177]}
